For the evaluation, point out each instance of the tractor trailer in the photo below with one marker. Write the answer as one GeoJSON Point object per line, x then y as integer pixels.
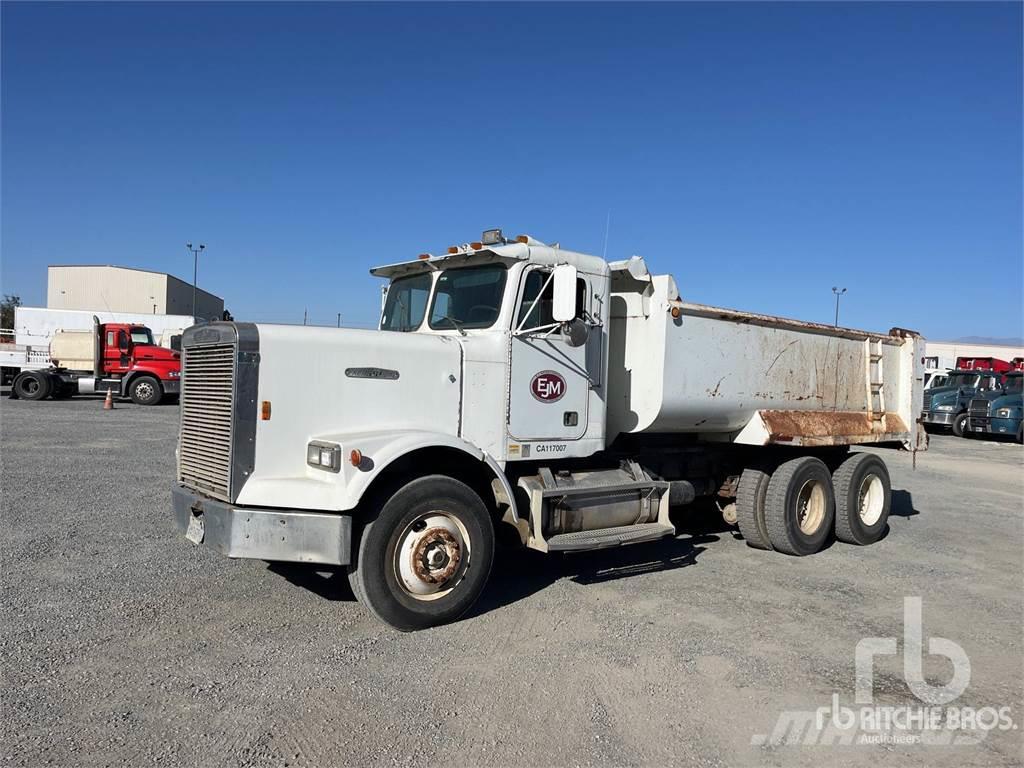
{"type": "Point", "coordinates": [120, 358]}
{"type": "Point", "coordinates": [520, 387]}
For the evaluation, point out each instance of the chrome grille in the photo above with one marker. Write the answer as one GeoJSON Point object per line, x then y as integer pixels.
{"type": "Point", "coordinates": [927, 406]}
{"type": "Point", "coordinates": [207, 408]}
{"type": "Point", "coordinates": [979, 412]}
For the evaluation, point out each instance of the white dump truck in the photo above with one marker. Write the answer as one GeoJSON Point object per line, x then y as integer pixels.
{"type": "Point", "coordinates": [513, 383]}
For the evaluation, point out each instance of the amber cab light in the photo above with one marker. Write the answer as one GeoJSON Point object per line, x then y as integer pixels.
{"type": "Point", "coordinates": [265, 410]}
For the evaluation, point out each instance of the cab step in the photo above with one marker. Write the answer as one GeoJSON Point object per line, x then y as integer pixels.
{"type": "Point", "coordinates": [609, 537]}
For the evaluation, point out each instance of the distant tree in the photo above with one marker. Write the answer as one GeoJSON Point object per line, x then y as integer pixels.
{"type": "Point", "coordinates": [7, 310]}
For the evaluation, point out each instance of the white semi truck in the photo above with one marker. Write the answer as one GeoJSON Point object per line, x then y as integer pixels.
{"type": "Point", "coordinates": [513, 383]}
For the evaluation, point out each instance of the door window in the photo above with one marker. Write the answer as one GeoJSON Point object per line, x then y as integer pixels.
{"type": "Point", "coordinates": [537, 300]}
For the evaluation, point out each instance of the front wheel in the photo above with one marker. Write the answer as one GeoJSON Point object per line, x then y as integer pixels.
{"type": "Point", "coordinates": [960, 424]}
{"type": "Point", "coordinates": [145, 390]}
{"type": "Point", "coordinates": [425, 558]}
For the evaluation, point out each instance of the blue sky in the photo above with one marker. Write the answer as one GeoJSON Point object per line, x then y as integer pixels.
{"type": "Point", "coordinates": [760, 153]}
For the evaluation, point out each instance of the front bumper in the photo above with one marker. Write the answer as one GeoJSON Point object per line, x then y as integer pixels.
{"type": "Point", "coordinates": [943, 418]}
{"type": "Point", "coordinates": [263, 534]}
{"type": "Point", "coordinates": [994, 426]}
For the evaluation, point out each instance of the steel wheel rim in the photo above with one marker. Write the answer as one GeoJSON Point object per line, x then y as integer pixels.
{"type": "Point", "coordinates": [871, 499]}
{"type": "Point", "coordinates": [810, 506]}
{"type": "Point", "coordinates": [30, 386]}
{"type": "Point", "coordinates": [144, 390]}
{"type": "Point", "coordinates": [432, 555]}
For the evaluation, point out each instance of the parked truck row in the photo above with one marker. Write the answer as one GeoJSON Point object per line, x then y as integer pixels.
{"type": "Point", "coordinates": [965, 401]}
{"type": "Point", "coordinates": [514, 385]}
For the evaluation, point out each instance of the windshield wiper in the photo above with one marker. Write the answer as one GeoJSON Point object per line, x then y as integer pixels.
{"type": "Point", "coordinates": [454, 322]}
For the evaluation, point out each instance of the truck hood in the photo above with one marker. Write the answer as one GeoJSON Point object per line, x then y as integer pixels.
{"type": "Point", "coordinates": [153, 352]}
{"type": "Point", "coordinates": [1006, 401]}
{"type": "Point", "coordinates": [335, 384]}
{"type": "Point", "coordinates": [949, 397]}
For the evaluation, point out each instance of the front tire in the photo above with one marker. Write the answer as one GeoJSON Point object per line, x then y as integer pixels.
{"type": "Point", "coordinates": [145, 390]}
{"type": "Point", "coordinates": [863, 499]}
{"type": "Point", "coordinates": [960, 424]}
{"type": "Point", "coordinates": [425, 558]}
{"type": "Point", "coordinates": [800, 506]}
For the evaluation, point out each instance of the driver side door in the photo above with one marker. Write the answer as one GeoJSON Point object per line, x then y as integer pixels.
{"type": "Point", "coordinates": [549, 383]}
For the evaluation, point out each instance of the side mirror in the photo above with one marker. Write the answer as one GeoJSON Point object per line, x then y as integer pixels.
{"type": "Point", "coordinates": [564, 302]}
{"type": "Point", "coordinates": [576, 332]}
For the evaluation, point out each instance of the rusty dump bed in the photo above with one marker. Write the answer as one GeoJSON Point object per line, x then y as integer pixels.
{"type": "Point", "coordinates": [756, 379]}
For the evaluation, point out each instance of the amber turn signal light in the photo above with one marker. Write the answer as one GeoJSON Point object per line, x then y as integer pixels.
{"type": "Point", "coordinates": [522, 239]}
{"type": "Point", "coordinates": [265, 410]}
{"type": "Point", "coordinates": [356, 457]}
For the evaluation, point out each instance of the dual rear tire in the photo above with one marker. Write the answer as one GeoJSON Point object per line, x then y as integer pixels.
{"type": "Point", "coordinates": [799, 506]}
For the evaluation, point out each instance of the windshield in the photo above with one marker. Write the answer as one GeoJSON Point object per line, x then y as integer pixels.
{"type": "Point", "coordinates": [1014, 385]}
{"type": "Point", "coordinates": [962, 380]}
{"type": "Point", "coordinates": [142, 336]}
{"type": "Point", "coordinates": [937, 381]}
{"type": "Point", "coordinates": [468, 298]}
{"type": "Point", "coordinates": [406, 303]}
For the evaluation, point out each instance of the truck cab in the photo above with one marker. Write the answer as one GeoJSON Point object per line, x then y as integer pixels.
{"type": "Point", "coordinates": [946, 406]}
{"type": "Point", "coordinates": [999, 411]}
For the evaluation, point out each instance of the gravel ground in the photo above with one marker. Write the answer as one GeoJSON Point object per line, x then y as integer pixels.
{"type": "Point", "coordinates": [124, 644]}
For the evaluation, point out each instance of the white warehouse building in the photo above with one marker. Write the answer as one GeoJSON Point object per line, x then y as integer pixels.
{"type": "Point", "coordinates": [943, 354]}
{"type": "Point", "coordinates": [109, 288]}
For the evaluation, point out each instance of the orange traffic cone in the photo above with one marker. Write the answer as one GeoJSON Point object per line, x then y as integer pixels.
{"type": "Point", "coordinates": [108, 404]}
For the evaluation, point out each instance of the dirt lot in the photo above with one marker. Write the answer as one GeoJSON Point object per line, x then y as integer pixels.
{"type": "Point", "coordinates": [124, 644]}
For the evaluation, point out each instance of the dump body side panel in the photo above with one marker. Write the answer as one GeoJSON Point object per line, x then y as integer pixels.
{"type": "Point", "coordinates": [712, 372]}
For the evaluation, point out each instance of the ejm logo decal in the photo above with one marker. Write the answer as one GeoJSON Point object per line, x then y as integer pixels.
{"type": "Point", "coordinates": [547, 386]}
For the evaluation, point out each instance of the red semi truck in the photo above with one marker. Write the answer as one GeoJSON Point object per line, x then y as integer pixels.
{"type": "Point", "coordinates": [116, 357]}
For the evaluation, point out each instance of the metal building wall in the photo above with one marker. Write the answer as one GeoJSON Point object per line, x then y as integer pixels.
{"type": "Point", "coordinates": [946, 352]}
{"type": "Point", "coordinates": [122, 289]}
{"type": "Point", "coordinates": [106, 288]}
{"type": "Point", "coordinates": [179, 300]}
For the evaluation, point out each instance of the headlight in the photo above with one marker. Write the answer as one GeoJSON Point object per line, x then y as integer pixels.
{"type": "Point", "coordinates": [1003, 413]}
{"type": "Point", "coordinates": [944, 408]}
{"type": "Point", "coordinates": [324, 455]}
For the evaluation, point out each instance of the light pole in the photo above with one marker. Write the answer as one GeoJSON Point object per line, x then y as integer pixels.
{"type": "Point", "coordinates": [838, 292]}
{"type": "Point", "coordinates": [195, 273]}
{"type": "Point", "coordinates": [339, 319]}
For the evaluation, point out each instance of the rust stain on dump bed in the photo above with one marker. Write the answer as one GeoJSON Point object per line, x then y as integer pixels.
{"type": "Point", "coordinates": [785, 425]}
